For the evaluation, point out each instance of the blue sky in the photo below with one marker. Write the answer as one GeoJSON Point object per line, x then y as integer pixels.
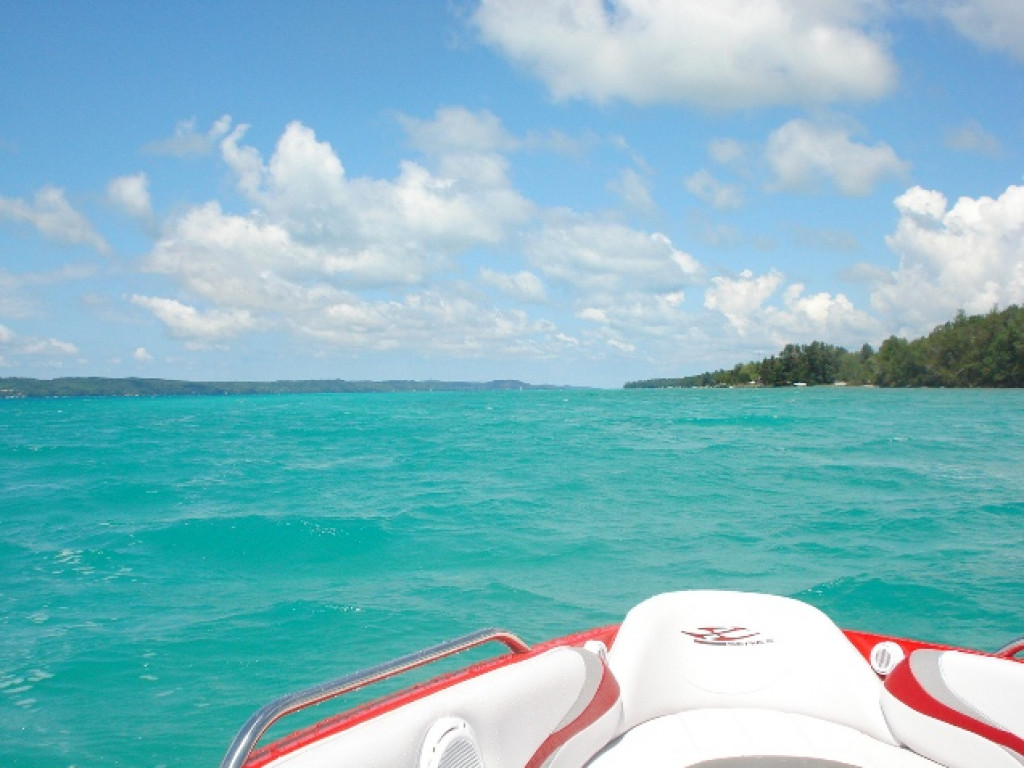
{"type": "Point", "coordinates": [566, 192]}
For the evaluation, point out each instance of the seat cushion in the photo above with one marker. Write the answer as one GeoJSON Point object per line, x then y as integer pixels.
{"type": "Point", "coordinates": [552, 710]}
{"type": "Point", "coordinates": [705, 649]}
{"type": "Point", "coordinates": [750, 738]}
{"type": "Point", "coordinates": [962, 709]}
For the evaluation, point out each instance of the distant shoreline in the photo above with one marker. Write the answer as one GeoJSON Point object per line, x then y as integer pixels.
{"type": "Point", "coordinates": [92, 386]}
{"type": "Point", "coordinates": [968, 352]}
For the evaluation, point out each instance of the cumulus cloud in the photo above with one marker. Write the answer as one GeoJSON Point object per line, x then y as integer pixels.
{"type": "Point", "coordinates": [131, 195]}
{"type": "Point", "coordinates": [993, 24]}
{"type": "Point", "coordinates": [434, 322]}
{"type": "Point", "coordinates": [804, 155]}
{"type": "Point", "coordinates": [313, 226]}
{"type": "Point", "coordinates": [231, 259]}
{"type": "Point", "coordinates": [304, 188]}
{"type": "Point", "coordinates": [660, 320]}
{"type": "Point", "coordinates": [142, 355]}
{"type": "Point", "coordinates": [819, 316]}
{"type": "Point", "coordinates": [383, 263]}
{"type": "Point", "coordinates": [740, 297]}
{"type": "Point", "coordinates": [187, 322]}
{"type": "Point", "coordinates": [54, 217]}
{"type": "Point", "coordinates": [722, 55]}
{"type": "Point", "coordinates": [457, 129]}
{"type": "Point", "coordinates": [523, 286]}
{"type": "Point", "coordinates": [745, 302]}
{"type": "Point", "coordinates": [969, 257]}
{"type": "Point", "coordinates": [46, 351]}
{"type": "Point", "coordinates": [316, 237]}
{"type": "Point", "coordinates": [601, 257]}
{"type": "Point", "coordinates": [187, 141]}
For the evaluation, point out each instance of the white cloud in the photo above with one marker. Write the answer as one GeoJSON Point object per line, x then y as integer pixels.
{"type": "Point", "coordinates": [315, 238]}
{"type": "Point", "coordinates": [969, 257]}
{"type": "Point", "coordinates": [131, 195]}
{"type": "Point", "coordinates": [601, 257]}
{"type": "Point", "coordinates": [728, 151]}
{"type": "Point", "coordinates": [420, 216]}
{"type": "Point", "coordinates": [47, 347]}
{"type": "Point", "coordinates": [246, 162]}
{"type": "Point", "coordinates": [52, 215]}
{"type": "Point", "coordinates": [232, 260]}
{"type": "Point", "coordinates": [819, 316]}
{"type": "Point", "coordinates": [722, 55]}
{"type": "Point", "coordinates": [714, 192]}
{"type": "Point", "coordinates": [634, 189]}
{"type": "Point", "coordinates": [639, 315]}
{"type": "Point", "coordinates": [187, 141]}
{"type": "Point", "coordinates": [804, 155]}
{"type": "Point", "coordinates": [523, 286]}
{"type": "Point", "coordinates": [314, 229]}
{"type": "Point", "coordinates": [744, 301]}
{"type": "Point", "coordinates": [993, 24]}
{"type": "Point", "coordinates": [142, 355]}
{"type": "Point", "coordinates": [365, 263]}
{"type": "Point", "coordinates": [739, 298]}
{"type": "Point", "coordinates": [43, 350]}
{"type": "Point", "coordinates": [434, 323]}
{"type": "Point", "coordinates": [457, 129]}
{"type": "Point", "coordinates": [187, 322]}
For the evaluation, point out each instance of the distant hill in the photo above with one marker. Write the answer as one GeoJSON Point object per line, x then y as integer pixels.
{"type": "Point", "coordinates": [969, 351]}
{"type": "Point", "coordinates": [135, 387]}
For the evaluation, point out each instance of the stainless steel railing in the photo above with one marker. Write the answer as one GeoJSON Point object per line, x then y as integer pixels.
{"type": "Point", "coordinates": [245, 740]}
{"type": "Point", "coordinates": [1011, 649]}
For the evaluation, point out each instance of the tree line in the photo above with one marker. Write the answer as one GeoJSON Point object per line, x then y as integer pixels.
{"type": "Point", "coordinates": [968, 351]}
{"type": "Point", "coordinates": [135, 387]}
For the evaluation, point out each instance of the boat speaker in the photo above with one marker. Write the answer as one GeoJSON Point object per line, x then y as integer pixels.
{"type": "Point", "coordinates": [885, 656]}
{"type": "Point", "coordinates": [450, 743]}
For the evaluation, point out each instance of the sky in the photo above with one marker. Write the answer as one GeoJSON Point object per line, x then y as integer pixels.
{"type": "Point", "coordinates": [578, 192]}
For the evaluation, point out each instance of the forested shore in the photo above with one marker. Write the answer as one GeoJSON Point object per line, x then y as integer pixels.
{"type": "Point", "coordinates": [136, 387]}
{"type": "Point", "coordinates": [968, 351]}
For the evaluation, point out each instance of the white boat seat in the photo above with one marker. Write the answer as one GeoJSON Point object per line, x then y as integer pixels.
{"type": "Point", "coordinates": [961, 709]}
{"type": "Point", "coordinates": [552, 710]}
{"type": "Point", "coordinates": [695, 650]}
{"type": "Point", "coordinates": [750, 738]}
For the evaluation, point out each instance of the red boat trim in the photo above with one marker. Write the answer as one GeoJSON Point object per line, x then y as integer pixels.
{"type": "Point", "coordinates": [903, 684]}
{"type": "Point", "coordinates": [604, 699]}
{"type": "Point", "coordinates": [862, 641]}
{"type": "Point", "coordinates": [865, 641]}
{"type": "Point", "coordinates": [345, 720]}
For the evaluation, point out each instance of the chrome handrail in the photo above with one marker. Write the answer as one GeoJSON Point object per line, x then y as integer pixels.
{"type": "Point", "coordinates": [246, 738]}
{"type": "Point", "coordinates": [1011, 649]}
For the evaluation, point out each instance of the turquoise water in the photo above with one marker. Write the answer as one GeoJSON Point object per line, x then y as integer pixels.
{"type": "Point", "coordinates": [168, 565]}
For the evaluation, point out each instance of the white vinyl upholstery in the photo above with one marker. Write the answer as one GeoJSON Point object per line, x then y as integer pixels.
{"type": "Point", "coordinates": [961, 709]}
{"type": "Point", "coordinates": [553, 710]}
{"type": "Point", "coordinates": [721, 737]}
{"type": "Point", "coordinates": [694, 650]}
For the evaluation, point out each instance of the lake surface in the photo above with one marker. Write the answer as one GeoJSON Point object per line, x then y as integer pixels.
{"type": "Point", "coordinates": [168, 565]}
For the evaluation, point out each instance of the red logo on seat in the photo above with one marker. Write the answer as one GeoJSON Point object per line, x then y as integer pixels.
{"type": "Point", "coordinates": [726, 636]}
